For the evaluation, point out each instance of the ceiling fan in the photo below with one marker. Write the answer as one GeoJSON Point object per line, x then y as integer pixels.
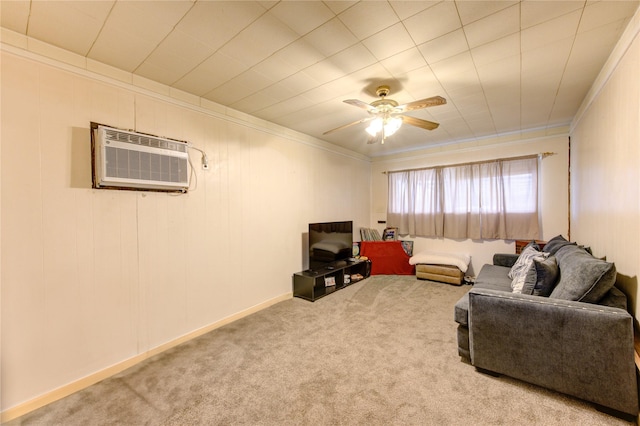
{"type": "Point", "coordinates": [386, 115]}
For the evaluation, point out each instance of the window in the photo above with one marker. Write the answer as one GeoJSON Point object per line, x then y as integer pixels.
{"type": "Point", "coordinates": [496, 199]}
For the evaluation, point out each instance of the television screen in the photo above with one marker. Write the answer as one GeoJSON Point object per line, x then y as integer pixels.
{"type": "Point", "coordinates": [329, 242]}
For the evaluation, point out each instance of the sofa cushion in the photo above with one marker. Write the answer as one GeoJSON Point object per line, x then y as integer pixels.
{"type": "Point", "coordinates": [582, 277]}
{"type": "Point", "coordinates": [541, 277]}
{"type": "Point", "coordinates": [492, 277]}
{"type": "Point", "coordinates": [520, 269]}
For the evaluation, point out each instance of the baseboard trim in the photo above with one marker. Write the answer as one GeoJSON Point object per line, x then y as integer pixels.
{"type": "Point", "coordinates": [85, 382]}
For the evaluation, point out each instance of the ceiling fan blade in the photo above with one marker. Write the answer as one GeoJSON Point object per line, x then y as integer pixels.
{"type": "Point", "coordinates": [423, 103]}
{"type": "Point", "coordinates": [364, 120]}
{"type": "Point", "coordinates": [360, 104]}
{"type": "Point", "coordinates": [418, 122]}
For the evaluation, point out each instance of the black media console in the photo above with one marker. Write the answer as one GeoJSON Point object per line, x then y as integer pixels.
{"type": "Point", "coordinates": [312, 285]}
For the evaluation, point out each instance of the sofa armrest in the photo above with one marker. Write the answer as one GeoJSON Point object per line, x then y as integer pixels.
{"type": "Point", "coordinates": [505, 259]}
{"type": "Point", "coordinates": [581, 349]}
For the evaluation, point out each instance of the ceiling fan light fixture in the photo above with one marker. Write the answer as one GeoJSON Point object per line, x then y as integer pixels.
{"type": "Point", "coordinates": [392, 125]}
{"type": "Point", "coordinates": [375, 126]}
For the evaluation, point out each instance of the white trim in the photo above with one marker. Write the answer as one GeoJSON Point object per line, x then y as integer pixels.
{"type": "Point", "coordinates": [85, 382]}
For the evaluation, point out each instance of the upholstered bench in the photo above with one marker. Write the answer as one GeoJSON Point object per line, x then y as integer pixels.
{"type": "Point", "coordinates": [441, 267]}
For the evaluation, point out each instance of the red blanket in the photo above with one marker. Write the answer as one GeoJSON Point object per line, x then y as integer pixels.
{"type": "Point", "coordinates": [387, 258]}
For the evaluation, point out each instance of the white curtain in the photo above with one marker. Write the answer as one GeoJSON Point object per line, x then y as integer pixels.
{"type": "Point", "coordinates": [488, 200]}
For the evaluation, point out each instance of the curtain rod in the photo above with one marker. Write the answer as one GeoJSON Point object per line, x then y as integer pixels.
{"type": "Point", "coordinates": [522, 157]}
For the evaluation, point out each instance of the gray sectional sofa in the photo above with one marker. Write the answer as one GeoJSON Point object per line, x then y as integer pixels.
{"type": "Point", "coordinates": [565, 328]}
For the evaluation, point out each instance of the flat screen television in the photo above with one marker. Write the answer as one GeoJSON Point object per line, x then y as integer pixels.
{"type": "Point", "coordinates": [329, 242]}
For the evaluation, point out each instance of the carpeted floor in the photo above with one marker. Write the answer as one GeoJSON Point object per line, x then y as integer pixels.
{"type": "Point", "coordinates": [380, 352]}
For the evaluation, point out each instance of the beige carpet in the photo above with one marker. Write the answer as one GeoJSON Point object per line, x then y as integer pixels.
{"type": "Point", "coordinates": [380, 352]}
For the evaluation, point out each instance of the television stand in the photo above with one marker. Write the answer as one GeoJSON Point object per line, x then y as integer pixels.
{"type": "Point", "coordinates": [312, 285]}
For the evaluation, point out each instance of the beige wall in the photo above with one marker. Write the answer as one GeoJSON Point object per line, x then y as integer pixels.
{"type": "Point", "coordinates": [605, 164]}
{"type": "Point", "coordinates": [93, 278]}
{"type": "Point", "coordinates": [553, 187]}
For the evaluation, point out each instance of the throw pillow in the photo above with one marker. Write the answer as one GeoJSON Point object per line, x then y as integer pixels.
{"type": "Point", "coordinates": [541, 277]}
{"type": "Point", "coordinates": [582, 277]}
{"type": "Point", "coordinates": [519, 270]}
{"type": "Point", "coordinates": [555, 244]}
{"type": "Point", "coordinates": [523, 260]}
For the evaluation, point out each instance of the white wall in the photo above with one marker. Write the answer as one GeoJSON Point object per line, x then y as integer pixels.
{"type": "Point", "coordinates": [553, 187]}
{"type": "Point", "coordinates": [605, 164]}
{"type": "Point", "coordinates": [92, 278]}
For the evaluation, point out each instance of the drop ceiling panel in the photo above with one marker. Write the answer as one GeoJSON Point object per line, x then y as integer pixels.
{"type": "Point", "coordinates": [213, 72]}
{"type": "Point", "coordinates": [365, 19]}
{"type": "Point", "coordinates": [503, 66]}
{"type": "Point", "coordinates": [258, 41]}
{"type": "Point", "coordinates": [493, 27]}
{"type": "Point", "coordinates": [551, 31]}
{"type": "Point", "coordinates": [404, 62]}
{"type": "Point", "coordinates": [331, 38]}
{"type": "Point", "coordinates": [174, 58]}
{"type": "Point", "coordinates": [472, 11]}
{"type": "Point", "coordinates": [538, 12]}
{"type": "Point", "coordinates": [389, 42]}
{"type": "Point", "coordinates": [601, 13]}
{"type": "Point", "coordinates": [214, 23]}
{"type": "Point", "coordinates": [405, 9]}
{"type": "Point", "coordinates": [444, 47]}
{"type": "Point", "coordinates": [497, 50]}
{"type": "Point", "coordinates": [302, 17]}
{"type": "Point", "coordinates": [14, 15]}
{"type": "Point", "coordinates": [239, 87]}
{"type": "Point", "coordinates": [433, 22]}
{"type": "Point", "coordinates": [71, 25]}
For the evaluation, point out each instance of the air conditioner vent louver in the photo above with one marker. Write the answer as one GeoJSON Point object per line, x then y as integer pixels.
{"type": "Point", "coordinates": [129, 160]}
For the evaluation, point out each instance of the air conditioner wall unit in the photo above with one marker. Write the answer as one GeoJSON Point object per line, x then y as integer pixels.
{"type": "Point", "coordinates": [128, 160]}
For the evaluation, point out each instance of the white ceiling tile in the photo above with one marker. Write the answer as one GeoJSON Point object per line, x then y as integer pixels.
{"type": "Point", "coordinates": [404, 62]}
{"type": "Point", "coordinates": [550, 31]}
{"type": "Point", "coordinates": [331, 38]}
{"type": "Point", "coordinates": [352, 59]}
{"type": "Point", "coordinates": [605, 12]}
{"type": "Point", "coordinates": [213, 72]}
{"type": "Point", "coordinates": [389, 42]}
{"type": "Point", "coordinates": [367, 18]}
{"type": "Point", "coordinates": [471, 11]}
{"type": "Point", "coordinates": [493, 27]}
{"type": "Point", "coordinates": [500, 73]}
{"type": "Point", "coordinates": [419, 80]}
{"type": "Point", "coordinates": [433, 22]}
{"type": "Point", "coordinates": [133, 31]}
{"type": "Point", "coordinates": [271, 95]}
{"type": "Point", "coordinates": [459, 64]}
{"type": "Point", "coordinates": [444, 47]}
{"type": "Point", "coordinates": [181, 52]}
{"type": "Point", "coordinates": [548, 59]}
{"type": "Point", "coordinates": [323, 71]}
{"type": "Point", "coordinates": [596, 43]}
{"type": "Point", "coordinates": [214, 23]}
{"type": "Point", "coordinates": [497, 50]}
{"type": "Point", "coordinates": [302, 16]}
{"type": "Point", "coordinates": [14, 15]}
{"type": "Point", "coordinates": [283, 109]}
{"type": "Point", "coordinates": [300, 82]}
{"type": "Point", "coordinates": [247, 55]}
{"type": "Point", "coordinates": [238, 88]}
{"type": "Point", "coordinates": [258, 41]}
{"type": "Point", "coordinates": [72, 25]}
{"type": "Point", "coordinates": [537, 12]}
{"type": "Point", "coordinates": [408, 8]}
{"type": "Point", "coordinates": [338, 6]}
